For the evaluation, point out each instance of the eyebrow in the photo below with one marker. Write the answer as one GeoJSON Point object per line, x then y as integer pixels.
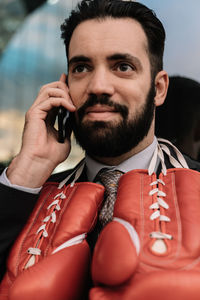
{"type": "Point", "coordinates": [77, 59]}
{"type": "Point", "coordinates": [113, 57]}
{"type": "Point", "coordinates": [127, 57]}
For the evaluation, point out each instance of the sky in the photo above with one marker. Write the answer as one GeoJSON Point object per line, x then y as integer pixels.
{"type": "Point", "coordinates": [35, 54]}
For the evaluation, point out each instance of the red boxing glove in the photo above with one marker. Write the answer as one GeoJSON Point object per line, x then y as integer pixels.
{"type": "Point", "coordinates": [151, 248]}
{"type": "Point", "coordinates": [51, 258]}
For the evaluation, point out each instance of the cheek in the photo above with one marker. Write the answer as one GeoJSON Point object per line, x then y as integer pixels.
{"type": "Point", "coordinates": [135, 101]}
{"type": "Point", "coordinates": [134, 97]}
{"type": "Point", "coordinates": [76, 94]}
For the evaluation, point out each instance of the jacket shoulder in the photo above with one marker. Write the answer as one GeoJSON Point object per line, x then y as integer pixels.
{"type": "Point", "coordinates": [192, 164]}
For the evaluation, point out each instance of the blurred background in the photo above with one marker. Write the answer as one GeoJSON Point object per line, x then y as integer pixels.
{"type": "Point", "coordinates": [32, 54]}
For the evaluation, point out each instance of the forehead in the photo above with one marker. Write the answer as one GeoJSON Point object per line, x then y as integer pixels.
{"type": "Point", "coordinates": [107, 36]}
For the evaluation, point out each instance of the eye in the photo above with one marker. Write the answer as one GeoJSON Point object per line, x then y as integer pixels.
{"type": "Point", "coordinates": [124, 67]}
{"type": "Point", "coordinates": [80, 68]}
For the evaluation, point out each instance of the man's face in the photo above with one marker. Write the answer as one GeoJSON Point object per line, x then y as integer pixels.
{"type": "Point", "coordinates": [110, 84]}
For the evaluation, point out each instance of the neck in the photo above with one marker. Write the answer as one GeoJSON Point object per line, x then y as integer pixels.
{"type": "Point", "coordinates": [114, 161]}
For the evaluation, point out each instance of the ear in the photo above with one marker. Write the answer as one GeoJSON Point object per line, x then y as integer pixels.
{"type": "Point", "coordinates": [161, 86]}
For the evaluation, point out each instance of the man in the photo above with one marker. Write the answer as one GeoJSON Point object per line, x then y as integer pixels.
{"type": "Point", "coordinates": [178, 120]}
{"type": "Point", "coordinates": [115, 81]}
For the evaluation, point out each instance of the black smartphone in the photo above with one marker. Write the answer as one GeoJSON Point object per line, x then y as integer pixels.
{"type": "Point", "coordinates": [63, 123]}
{"type": "Point", "coordinates": [63, 130]}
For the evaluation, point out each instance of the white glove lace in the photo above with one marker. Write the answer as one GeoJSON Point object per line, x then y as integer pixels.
{"type": "Point", "coordinates": [53, 208]}
{"type": "Point", "coordinates": [160, 206]}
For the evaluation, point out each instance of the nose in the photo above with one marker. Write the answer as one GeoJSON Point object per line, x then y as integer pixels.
{"type": "Point", "coordinates": [100, 83]}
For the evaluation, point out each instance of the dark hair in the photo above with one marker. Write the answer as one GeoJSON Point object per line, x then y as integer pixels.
{"type": "Point", "coordinates": [101, 9]}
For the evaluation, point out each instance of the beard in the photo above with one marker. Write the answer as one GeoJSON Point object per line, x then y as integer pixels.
{"type": "Point", "coordinates": [112, 138]}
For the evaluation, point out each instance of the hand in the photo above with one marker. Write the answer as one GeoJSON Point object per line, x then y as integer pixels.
{"type": "Point", "coordinates": [40, 152]}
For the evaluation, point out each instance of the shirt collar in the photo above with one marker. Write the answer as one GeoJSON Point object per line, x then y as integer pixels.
{"type": "Point", "coordinates": [140, 160]}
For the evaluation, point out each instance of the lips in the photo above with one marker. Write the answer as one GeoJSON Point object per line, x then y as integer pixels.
{"type": "Point", "coordinates": [100, 112]}
{"type": "Point", "coordinates": [99, 109]}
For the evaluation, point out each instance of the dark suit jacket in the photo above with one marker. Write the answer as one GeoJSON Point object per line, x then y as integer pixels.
{"type": "Point", "coordinates": [16, 206]}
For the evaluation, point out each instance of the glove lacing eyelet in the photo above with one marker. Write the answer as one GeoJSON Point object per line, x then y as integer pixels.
{"type": "Point", "coordinates": [157, 207]}
{"type": "Point", "coordinates": [42, 231]}
{"type": "Point", "coordinates": [160, 204]}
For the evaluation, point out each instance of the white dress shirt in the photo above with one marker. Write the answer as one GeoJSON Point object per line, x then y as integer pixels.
{"type": "Point", "coordinates": [140, 160]}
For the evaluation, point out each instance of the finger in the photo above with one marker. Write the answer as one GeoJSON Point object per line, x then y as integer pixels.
{"type": "Point", "coordinates": [54, 93]}
{"type": "Point", "coordinates": [56, 84]}
{"type": "Point", "coordinates": [43, 108]}
{"type": "Point", "coordinates": [50, 92]}
{"type": "Point", "coordinates": [63, 78]}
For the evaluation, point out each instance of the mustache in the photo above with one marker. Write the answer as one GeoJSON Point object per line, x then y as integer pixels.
{"type": "Point", "coordinates": [104, 100]}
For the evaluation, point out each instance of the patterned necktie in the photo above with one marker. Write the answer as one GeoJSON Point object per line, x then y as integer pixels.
{"type": "Point", "coordinates": [110, 180]}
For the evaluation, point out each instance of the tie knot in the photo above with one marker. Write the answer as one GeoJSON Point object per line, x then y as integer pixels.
{"type": "Point", "coordinates": [110, 179]}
